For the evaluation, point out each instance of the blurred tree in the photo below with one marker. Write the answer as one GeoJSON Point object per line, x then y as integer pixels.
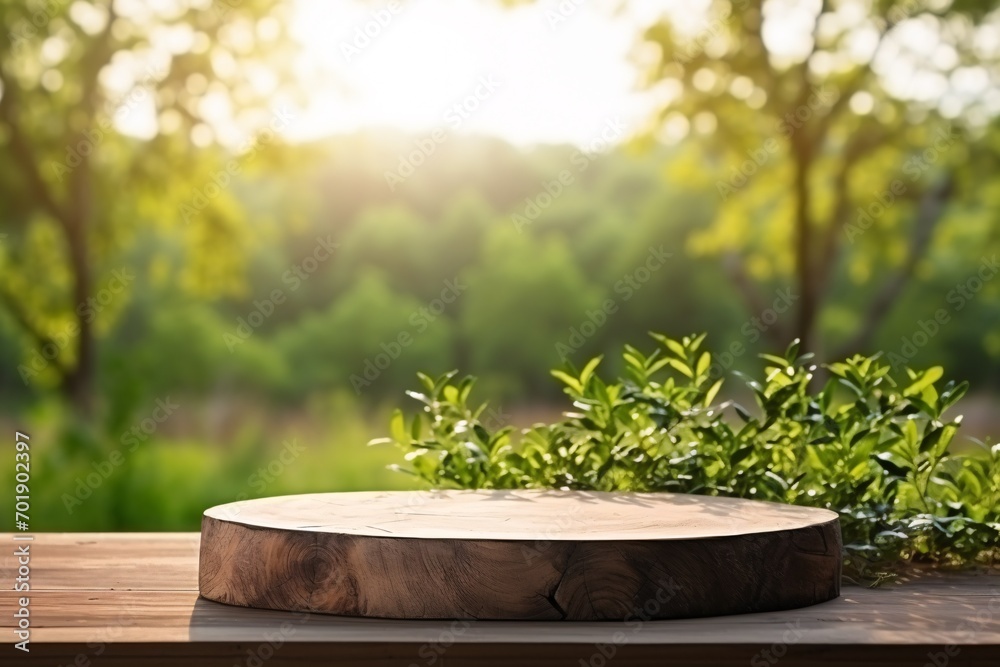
{"type": "Point", "coordinates": [829, 118]}
{"type": "Point", "coordinates": [108, 110]}
{"type": "Point", "coordinates": [528, 306]}
{"type": "Point", "coordinates": [372, 340]}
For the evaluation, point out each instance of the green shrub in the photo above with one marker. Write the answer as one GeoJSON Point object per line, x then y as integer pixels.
{"type": "Point", "coordinates": [870, 446]}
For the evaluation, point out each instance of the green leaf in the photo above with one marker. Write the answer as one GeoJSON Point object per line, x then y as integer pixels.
{"type": "Point", "coordinates": [704, 361]}
{"type": "Point", "coordinates": [568, 380]}
{"type": "Point", "coordinates": [911, 434]}
{"type": "Point", "coordinates": [711, 393]}
{"type": "Point", "coordinates": [777, 361]}
{"type": "Point", "coordinates": [397, 426]}
{"type": "Point", "coordinates": [657, 365]}
{"type": "Point", "coordinates": [925, 379]}
{"type": "Point", "coordinates": [741, 454]}
{"type": "Point", "coordinates": [633, 361]}
{"type": "Point", "coordinates": [426, 381]}
{"type": "Point", "coordinates": [777, 479]}
{"type": "Point", "coordinates": [416, 427]}
{"type": "Point", "coordinates": [953, 396]}
{"type": "Point", "coordinates": [826, 397]}
{"type": "Point", "coordinates": [671, 345]}
{"type": "Point", "coordinates": [588, 370]}
{"type": "Point", "coordinates": [859, 436]}
{"type": "Point", "coordinates": [931, 439]}
{"type": "Point", "coordinates": [891, 467]}
{"type": "Point", "coordinates": [681, 366]}
{"type": "Point", "coordinates": [465, 387]}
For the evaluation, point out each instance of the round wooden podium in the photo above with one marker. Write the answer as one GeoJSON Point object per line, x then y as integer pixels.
{"type": "Point", "coordinates": [545, 555]}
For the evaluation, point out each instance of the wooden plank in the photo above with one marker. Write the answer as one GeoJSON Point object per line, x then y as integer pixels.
{"type": "Point", "coordinates": [497, 655]}
{"type": "Point", "coordinates": [519, 555]}
{"type": "Point", "coordinates": [910, 623]}
{"type": "Point", "coordinates": [109, 561]}
{"type": "Point", "coordinates": [905, 614]}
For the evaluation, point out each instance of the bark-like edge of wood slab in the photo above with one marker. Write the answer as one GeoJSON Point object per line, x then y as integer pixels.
{"type": "Point", "coordinates": [541, 579]}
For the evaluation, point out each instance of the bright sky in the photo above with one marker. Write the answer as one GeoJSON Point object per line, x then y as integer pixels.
{"type": "Point", "coordinates": [548, 71]}
{"type": "Point", "coordinates": [555, 77]}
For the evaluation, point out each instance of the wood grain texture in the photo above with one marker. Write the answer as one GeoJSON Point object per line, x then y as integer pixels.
{"type": "Point", "coordinates": [124, 599]}
{"type": "Point", "coordinates": [524, 555]}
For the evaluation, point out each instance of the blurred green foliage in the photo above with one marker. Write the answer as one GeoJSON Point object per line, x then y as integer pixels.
{"type": "Point", "coordinates": [519, 293]}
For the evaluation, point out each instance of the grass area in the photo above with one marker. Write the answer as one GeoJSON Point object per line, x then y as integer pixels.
{"type": "Point", "coordinates": [83, 480]}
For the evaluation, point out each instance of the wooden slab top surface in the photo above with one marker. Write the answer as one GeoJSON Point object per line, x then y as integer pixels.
{"type": "Point", "coordinates": [521, 515]}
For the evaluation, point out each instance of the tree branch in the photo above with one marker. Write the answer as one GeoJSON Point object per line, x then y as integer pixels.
{"type": "Point", "coordinates": [23, 153]}
{"type": "Point", "coordinates": [853, 84]}
{"type": "Point", "coordinates": [42, 339]}
{"type": "Point", "coordinates": [931, 211]}
{"type": "Point", "coordinates": [752, 299]}
{"type": "Point", "coordinates": [855, 149]}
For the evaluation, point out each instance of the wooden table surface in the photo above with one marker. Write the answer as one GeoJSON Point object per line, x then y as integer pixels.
{"type": "Point", "coordinates": [132, 599]}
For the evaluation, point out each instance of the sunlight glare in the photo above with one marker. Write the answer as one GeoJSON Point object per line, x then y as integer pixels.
{"type": "Point", "coordinates": [556, 80]}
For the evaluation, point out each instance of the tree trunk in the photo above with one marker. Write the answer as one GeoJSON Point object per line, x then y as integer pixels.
{"type": "Point", "coordinates": [78, 384]}
{"type": "Point", "coordinates": [805, 276]}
